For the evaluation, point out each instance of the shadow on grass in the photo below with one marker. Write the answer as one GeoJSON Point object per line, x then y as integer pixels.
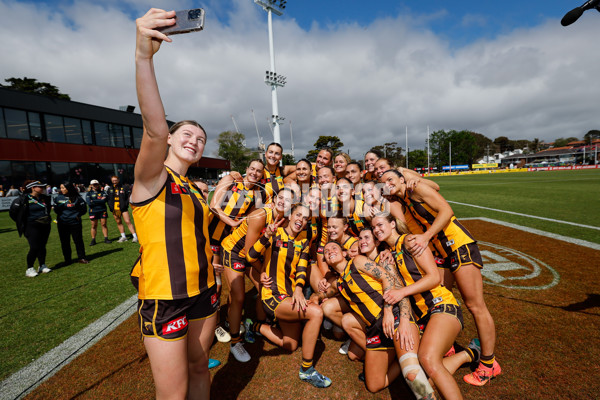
{"type": "Point", "coordinates": [593, 300]}
{"type": "Point", "coordinates": [6, 230]}
{"type": "Point", "coordinates": [90, 257]}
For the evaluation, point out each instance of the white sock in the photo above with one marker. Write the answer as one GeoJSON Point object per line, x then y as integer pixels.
{"type": "Point", "coordinates": [123, 235]}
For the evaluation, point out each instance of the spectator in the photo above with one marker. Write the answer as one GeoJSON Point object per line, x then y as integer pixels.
{"type": "Point", "coordinates": [13, 191]}
{"type": "Point", "coordinates": [69, 208]}
{"type": "Point", "coordinates": [96, 199]}
{"type": "Point", "coordinates": [31, 212]}
{"type": "Point", "coordinates": [118, 203]}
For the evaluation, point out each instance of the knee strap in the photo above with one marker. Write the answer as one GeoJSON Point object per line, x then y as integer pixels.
{"type": "Point", "coordinates": [420, 386]}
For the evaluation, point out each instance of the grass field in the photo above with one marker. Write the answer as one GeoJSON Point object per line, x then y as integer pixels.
{"type": "Point", "coordinates": [38, 314]}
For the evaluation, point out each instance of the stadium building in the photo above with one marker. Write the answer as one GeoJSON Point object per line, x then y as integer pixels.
{"type": "Point", "coordinates": [56, 140]}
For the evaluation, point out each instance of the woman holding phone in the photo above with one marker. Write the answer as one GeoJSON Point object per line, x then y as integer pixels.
{"type": "Point", "coordinates": [176, 287]}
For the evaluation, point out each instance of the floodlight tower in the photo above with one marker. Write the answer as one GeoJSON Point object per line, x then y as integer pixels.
{"type": "Point", "coordinates": [271, 78]}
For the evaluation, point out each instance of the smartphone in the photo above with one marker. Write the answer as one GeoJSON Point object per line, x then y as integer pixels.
{"type": "Point", "coordinates": [185, 21]}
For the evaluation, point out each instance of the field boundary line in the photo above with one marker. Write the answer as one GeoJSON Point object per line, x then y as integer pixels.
{"type": "Point", "coordinates": [567, 239]}
{"type": "Point", "coordinates": [526, 215]}
{"type": "Point", "coordinates": [31, 376]}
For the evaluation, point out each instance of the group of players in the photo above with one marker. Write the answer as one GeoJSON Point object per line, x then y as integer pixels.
{"type": "Point", "coordinates": [375, 252]}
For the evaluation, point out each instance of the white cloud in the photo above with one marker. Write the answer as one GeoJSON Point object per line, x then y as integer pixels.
{"type": "Point", "coordinates": [361, 84]}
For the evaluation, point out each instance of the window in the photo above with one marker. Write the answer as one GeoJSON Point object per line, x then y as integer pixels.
{"type": "Point", "coordinates": [87, 132]}
{"type": "Point", "coordinates": [6, 178]}
{"type": "Point", "coordinates": [35, 126]}
{"type": "Point", "coordinates": [116, 135]}
{"type": "Point", "coordinates": [101, 132]}
{"type": "Point", "coordinates": [137, 137]}
{"type": "Point", "coordinates": [127, 136]}
{"type": "Point", "coordinates": [2, 126]}
{"type": "Point", "coordinates": [16, 124]}
{"type": "Point", "coordinates": [55, 130]}
{"type": "Point", "coordinates": [59, 173]}
{"type": "Point", "coordinates": [73, 130]}
{"type": "Point", "coordinates": [23, 170]}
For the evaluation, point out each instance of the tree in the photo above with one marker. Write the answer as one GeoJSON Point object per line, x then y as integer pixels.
{"type": "Point", "coordinates": [562, 142]}
{"type": "Point", "coordinates": [417, 159]}
{"type": "Point", "coordinates": [534, 145]}
{"type": "Point", "coordinates": [288, 159]}
{"type": "Point", "coordinates": [31, 85]}
{"type": "Point", "coordinates": [231, 148]}
{"type": "Point", "coordinates": [504, 144]}
{"type": "Point", "coordinates": [390, 151]}
{"type": "Point", "coordinates": [591, 136]}
{"type": "Point", "coordinates": [485, 145]}
{"type": "Point", "coordinates": [332, 142]}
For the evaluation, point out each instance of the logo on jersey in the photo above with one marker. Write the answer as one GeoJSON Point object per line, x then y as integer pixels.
{"type": "Point", "coordinates": [373, 340]}
{"type": "Point", "coordinates": [177, 189]}
{"type": "Point", "coordinates": [279, 243]}
{"type": "Point", "coordinates": [175, 325]}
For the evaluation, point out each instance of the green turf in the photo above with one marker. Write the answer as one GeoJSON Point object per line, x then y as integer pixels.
{"type": "Point", "coordinates": [571, 196]}
{"type": "Point", "coordinates": [37, 314]}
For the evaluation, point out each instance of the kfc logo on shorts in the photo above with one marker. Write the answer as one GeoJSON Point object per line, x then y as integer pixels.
{"type": "Point", "coordinates": [238, 266]}
{"type": "Point", "coordinates": [281, 297]}
{"type": "Point", "coordinates": [373, 340]}
{"type": "Point", "coordinates": [175, 325]}
{"type": "Point", "coordinates": [213, 299]}
{"type": "Point", "coordinates": [215, 249]}
{"type": "Point", "coordinates": [438, 260]}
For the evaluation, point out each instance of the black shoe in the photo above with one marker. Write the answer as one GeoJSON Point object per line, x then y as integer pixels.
{"type": "Point", "coordinates": [107, 241]}
{"type": "Point", "coordinates": [93, 242]}
{"type": "Point", "coordinates": [361, 377]}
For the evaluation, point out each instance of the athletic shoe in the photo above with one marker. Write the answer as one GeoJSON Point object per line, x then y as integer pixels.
{"type": "Point", "coordinates": [108, 241]}
{"type": "Point", "coordinates": [327, 325]}
{"type": "Point", "coordinates": [450, 352]}
{"type": "Point", "coordinates": [483, 374]}
{"type": "Point", "coordinates": [313, 377]}
{"type": "Point", "coordinates": [122, 239]}
{"type": "Point", "coordinates": [361, 376]}
{"type": "Point", "coordinates": [93, 242]}
{"type": "Point", "coordinates": [44, 269]}
{"type": "Point", "coordinates": [248, 335]}
{"type": "Point", "coordinates": [31, 273]}
{"type": "Point", "coordinates": [213, 363]}
{"type": "Point", "coordinates": [344, 347]}
{"type": "Point", "coordinates": [134, 240]}
{"type": "Point", "coordinates": [239, 352]}
{"type": "Point", "coordinates": [222, 335]}
{"type": "Point", "coordinates": [83, 261]}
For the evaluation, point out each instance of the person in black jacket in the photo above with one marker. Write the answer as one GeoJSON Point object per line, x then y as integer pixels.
{"type": "Point", "coordinates": [96, 199]}
{"type": "Point", "coordinates": [31, 212]}
{"type": "Point", "coordinates": [69, 208]}
{"type": "Point", "coordinates": [118, 203]}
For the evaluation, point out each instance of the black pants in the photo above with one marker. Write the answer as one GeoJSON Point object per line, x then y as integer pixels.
{"type": "Point", "coordinates": [65, 232]}
{"type": "Point", "coordinates": [37, 236]}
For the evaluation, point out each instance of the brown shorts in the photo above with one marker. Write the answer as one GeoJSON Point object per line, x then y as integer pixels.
{"type": "Point", "coordinates": [444, 308]}
{"type": "Point", "coordinates": [466, 254]}
{"type": "Point", "coordinates": [168, 319]}
{"type": "Point", "coordinates": [233, 262]}
{"type": "Point", "coordinates": [376, 339]}
{"type": "Point", "coordinates": [271, 304]}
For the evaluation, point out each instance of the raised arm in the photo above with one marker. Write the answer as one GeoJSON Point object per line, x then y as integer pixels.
{"type": "Point", "coordinates": [215, 203]}
{"type": "Point", "coordinates": [149, 165]}
{"type": "Point", "coordinates": [413, 179]}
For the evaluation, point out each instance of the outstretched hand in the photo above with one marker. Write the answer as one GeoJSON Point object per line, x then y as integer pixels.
{"type": "Point", "coordinates": [148, 39]}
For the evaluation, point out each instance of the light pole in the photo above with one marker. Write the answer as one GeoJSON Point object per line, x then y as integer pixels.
{"type": "Point", "coordinates": [271, 78]}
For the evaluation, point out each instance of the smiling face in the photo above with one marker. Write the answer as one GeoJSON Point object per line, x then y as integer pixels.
{"type": "Point", "coordinates": [254, 172]}
{"type": "Point", "coordinates": [344, 190]}
{"type": "Point", "coordinates": [380, 167]}
{"type": "Point", "coordinates": [353, 173]}
{"type": "Point", "coordinates": [273, 155]}
{"type": "Point", "coordinates": [114, 180]}
{"type": "Point", "coordinates": [323, 159]}
{"type": "Point", "coordinates": [63, 189]}
{"type": "Point", "coordinates": [366, 241]}
{"type": "Point", "coordinates": [382, 228]}
{"type": "Point", "coordinates": [393, 183]}
{"type": "Point", "coordinates": [325, 178]}
{"type": "Point", "coordinates": [298, 219]}
{"type": "Point", "coordinates": [370, 159]}
{"type": "Point", "coordinates": [187, 143]}
{"type": "Point", "coordinates": [313, 200]}
{"type": "Point", "coordinates": [336, 228]}
{"type": "Point", "coordinates": [283, 202]}
{"type": "Point", "coordinates": [303, 172]}
{"type": "Point", "coordinates": [371, 193]}
{"type": "Point", "coordinates": [340, 164]}
{"type": "Point", "coordinates": [334, 256]}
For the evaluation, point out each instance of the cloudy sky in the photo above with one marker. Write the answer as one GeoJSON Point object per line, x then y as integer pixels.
{"type": "Point", "coordinates": [363, 73]}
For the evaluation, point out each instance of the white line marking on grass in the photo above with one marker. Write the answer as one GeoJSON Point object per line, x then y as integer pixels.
{"type": "Point", "coordinates": [30, 377]}
{"type": "Point", "coordinates": [526, 215]}
{"type": "Point", "coordinates": [567, 239]}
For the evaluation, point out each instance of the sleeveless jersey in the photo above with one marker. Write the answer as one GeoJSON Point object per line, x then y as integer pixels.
{"type": "Point", "coordinates": [286, 259]}
{"type": "Point", "coordinates": [348, 243]}
{"type": "Point", "coordinates": [272, 183]}
{"type": "Point", "coordinates": [172, 227]}
{"type": "Point", "coordinates": [410, 272]}
{"type": "Point", "coordinates": [235, 204]}
{"type": "Point", "coordinates": [235, 243]}
{"type": "Point", "coordinates": [450, 238]}
{"type": "Point", "coordinates": [357, 221]}
{"type": "Point", "coordinates": [363, 293]}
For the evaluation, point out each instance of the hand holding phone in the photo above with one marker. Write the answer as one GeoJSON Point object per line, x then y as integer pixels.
{"type": "Point", "coordinates": [185, 21]}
